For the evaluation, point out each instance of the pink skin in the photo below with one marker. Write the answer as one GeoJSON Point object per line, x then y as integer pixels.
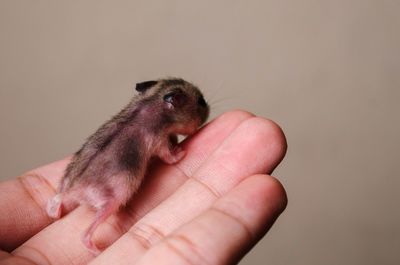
{"type": "Point", "coordinates": [252, 201]}
{"type": "Point", "coordinates": [105, 203]}
{"type": "Point", "coordinates": [110, 167]}
{"type": "Point", "coordinates": [112, 203]}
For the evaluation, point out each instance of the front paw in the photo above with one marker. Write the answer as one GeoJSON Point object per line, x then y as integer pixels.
{"type": "Point", "coordinates": [174, 156]}
{"type": "Point", "coordinates": [178, 154]}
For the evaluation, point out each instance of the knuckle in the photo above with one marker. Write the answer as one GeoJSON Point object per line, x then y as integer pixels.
{"type": "Point", "coordinates": [147, 235]}
{"type": "Point", "coordinates": [37, 189]}
{"type": "Point", "coordinates": [185, 249]}
{"type": "Point", "coordinates": [246, 231]}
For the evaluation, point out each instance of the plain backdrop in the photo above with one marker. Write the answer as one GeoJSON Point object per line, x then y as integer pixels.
{"type": "Point", "coordinates": [327, 71]}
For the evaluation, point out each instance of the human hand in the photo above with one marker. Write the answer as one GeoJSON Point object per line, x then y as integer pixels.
{"type": "Point", "coordinates": [210, 208]}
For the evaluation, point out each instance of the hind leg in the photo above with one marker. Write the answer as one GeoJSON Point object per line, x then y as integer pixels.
{"type": "Point", "coordinates": [106, 199]}
{"type": "Point", "coordinates": [62, 202]}
{"type": "Point", "coordinates": [101, 215]}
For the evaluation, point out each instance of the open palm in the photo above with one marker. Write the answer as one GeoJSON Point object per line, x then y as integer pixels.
{"type": "Point", "coordinates": [210, 208]}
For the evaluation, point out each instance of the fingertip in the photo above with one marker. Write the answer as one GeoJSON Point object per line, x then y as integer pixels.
{"type": "Point", "coordinates": [277, 133]}
{"type": "Point", "coordinates": [269, 137]}
{"type": "Point", "coordinates": [274, 192]}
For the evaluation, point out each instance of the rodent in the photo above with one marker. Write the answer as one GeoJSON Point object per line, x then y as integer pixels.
{"type": "Point", "coordinates": [110, 166]}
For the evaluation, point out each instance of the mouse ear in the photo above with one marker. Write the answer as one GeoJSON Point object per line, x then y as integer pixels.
{"type": "Point", "coordinates": [143, 86]}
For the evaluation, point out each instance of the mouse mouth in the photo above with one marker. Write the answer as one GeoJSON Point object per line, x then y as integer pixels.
{"type": "Point", "coordinates": [187, 128]}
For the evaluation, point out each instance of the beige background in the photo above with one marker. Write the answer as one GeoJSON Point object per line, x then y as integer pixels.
{"type": "Point", "coordinates": [327, 71]}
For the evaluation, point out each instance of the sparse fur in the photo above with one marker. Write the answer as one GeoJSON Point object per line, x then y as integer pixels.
{"type": "Point", "coordinates": [111, 164]}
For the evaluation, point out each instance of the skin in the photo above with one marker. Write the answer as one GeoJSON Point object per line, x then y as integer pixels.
{"type": "Point", "coordinates": [209, 208]}
{"type": "Point", "coordinates": [111, 165]}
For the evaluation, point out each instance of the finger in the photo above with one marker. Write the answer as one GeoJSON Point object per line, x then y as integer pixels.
{"type": "Point", "coordinates": [23, 199]}
{"type": "Point", "coordinates": [61, 241]}
{"type": "Point", "coordinates": [237, 157]}
{"type": "Point", "coordinates": [227, 230]}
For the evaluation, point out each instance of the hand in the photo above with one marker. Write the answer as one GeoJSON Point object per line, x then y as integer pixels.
{"type": "Point", "coordinates": [209, 208]}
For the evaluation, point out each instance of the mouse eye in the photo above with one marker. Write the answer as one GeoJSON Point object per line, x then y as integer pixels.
{"type": "Point", "coordinates": [202, 102]}
{"type": "Point", "coordinates": [175, 99]}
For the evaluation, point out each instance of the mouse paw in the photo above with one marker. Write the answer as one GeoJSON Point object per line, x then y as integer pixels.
{"type": "Point", "coordinates": [178, 154]}
{"type": "Point", "coordinates": [174, 156]}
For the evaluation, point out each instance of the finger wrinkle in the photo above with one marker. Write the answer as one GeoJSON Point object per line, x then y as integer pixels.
{"type": "Point", "coordinates": [181, 170]}
{"type": "Point", "coordinates": [146, 234]}
{"type": "Point", "coordinates": [216, 194]}
{"type": "Point", "coordinates": [178, 253]}
{"type": "Point", "coordinates": [28, 251]}
{"type": "Point", "coordinates": [249, 235]}
{"type": "Point", "coordinates": [116, 226]}
{"type": "Point", "coordinates": [37, 188]}
{"type": "Point", "coordinates": [143, 242]}
{"type": "Point", "coordinates": [12, 260]}
{"type": "Point", "coordinates": [213, 191]}
{"type": "Point", "coordinates": [185, 249]}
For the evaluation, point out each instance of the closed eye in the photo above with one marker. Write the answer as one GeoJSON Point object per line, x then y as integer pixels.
{"type": "Point", "coordinates": [176, 98]}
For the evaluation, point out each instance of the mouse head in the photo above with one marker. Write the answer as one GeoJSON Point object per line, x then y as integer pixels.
{"type": "Point", "coordinates": [182, 104]}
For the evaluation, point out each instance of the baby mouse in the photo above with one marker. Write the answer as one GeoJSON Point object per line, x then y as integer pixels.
{"type": "Point", "coordinates": [110, 166]}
